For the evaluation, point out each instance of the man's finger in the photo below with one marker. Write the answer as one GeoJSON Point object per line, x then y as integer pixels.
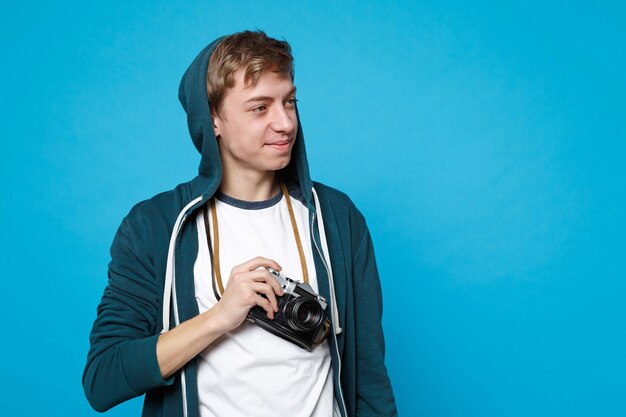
{"type": "Point", "coordinates": [263, 275]}
{"type": "Point", "coordinates": [256, 263]}
{"type": "Point", "coordinates": [268, 291]}
{"type": "Point", "coordinates": [265, 305]}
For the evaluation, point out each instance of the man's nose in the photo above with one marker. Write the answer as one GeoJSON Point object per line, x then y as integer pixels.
{"type": "Point", "coordinates": [281, 120]}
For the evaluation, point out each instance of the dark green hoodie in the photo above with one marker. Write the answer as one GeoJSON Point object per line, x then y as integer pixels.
{"type": "Point", "coordinates": [151, 284]}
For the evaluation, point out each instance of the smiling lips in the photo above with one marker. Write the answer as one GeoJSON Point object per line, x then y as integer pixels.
{"type": "Point", "coordinates": [280, 145]}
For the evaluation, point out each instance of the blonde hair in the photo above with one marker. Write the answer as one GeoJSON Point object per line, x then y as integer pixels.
{"type": "Point", "coordinates": [252, 50]}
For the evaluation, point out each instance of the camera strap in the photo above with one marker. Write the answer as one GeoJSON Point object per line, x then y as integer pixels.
{"type": "Point", "coordinates": [218, 286]}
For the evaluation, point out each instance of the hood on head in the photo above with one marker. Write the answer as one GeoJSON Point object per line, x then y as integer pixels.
{"type": "Point", "coordinates": [194, 99]}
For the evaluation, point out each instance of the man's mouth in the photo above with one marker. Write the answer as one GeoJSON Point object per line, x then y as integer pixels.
{"type": "Point", "coordinates": [281, 144]}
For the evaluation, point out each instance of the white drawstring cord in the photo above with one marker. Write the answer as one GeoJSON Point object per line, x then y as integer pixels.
{"type": "Point", "coordinates": [326, 260]}
{"type": "Point", "coordinates": [169, 290]}
{"type": "Point", "coordinates": [170, 274]}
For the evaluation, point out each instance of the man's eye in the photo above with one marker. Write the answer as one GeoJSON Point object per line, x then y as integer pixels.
{"type": "Point", "coordinates": [292, 101]}
{"type": "Point", "coordinates": [259, 109]}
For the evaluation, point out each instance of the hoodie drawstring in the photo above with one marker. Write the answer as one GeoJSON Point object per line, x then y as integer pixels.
{"type": "Point", "coordinates": [326, 260]}
{"type": "Point", "coordinates": [170, 270]}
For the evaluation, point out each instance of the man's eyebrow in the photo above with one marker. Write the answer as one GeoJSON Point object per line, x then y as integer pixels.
{"type": "Point", "coordinates": [266, 98]}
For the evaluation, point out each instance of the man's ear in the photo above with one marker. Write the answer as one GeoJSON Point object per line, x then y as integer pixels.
{"type": "Point", "coordinates": [215, 118]}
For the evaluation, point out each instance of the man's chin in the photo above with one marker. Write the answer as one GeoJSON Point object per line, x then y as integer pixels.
{"type": "Point", "coordinates": [281, 164]}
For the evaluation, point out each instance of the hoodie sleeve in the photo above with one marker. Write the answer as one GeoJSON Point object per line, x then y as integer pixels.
{"type": "Point", "coordinates": [374, 395]}
{"type": "Point", "coordinates": [122, 363]}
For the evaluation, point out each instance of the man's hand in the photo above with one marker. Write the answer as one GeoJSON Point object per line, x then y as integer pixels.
{"type": "Point", "coordinates": [249, 285]}
{"type": "Point", "coordinates": [246, 284]}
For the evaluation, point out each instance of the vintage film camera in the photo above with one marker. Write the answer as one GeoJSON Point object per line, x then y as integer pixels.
{"type": "Point", "coordinates": [301, 319]}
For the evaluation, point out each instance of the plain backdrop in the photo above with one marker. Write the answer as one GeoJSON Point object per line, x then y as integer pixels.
{"type": "Point", "coordinates": [485, 142]}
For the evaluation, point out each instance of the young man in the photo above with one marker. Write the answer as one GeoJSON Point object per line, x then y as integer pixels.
{"type": "Point", "coordinates": [188, 265]}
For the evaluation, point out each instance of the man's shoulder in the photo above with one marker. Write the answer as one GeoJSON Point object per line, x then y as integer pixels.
{"type": "Point", "coordinates": [339, 202]}
{"type": "Point", "coordinates": [162, 208]}
{"type": "Point", "coordinates": [331, 194]}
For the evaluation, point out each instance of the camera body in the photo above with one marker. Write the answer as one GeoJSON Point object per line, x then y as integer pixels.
{"type": "Point", "coordinates": [301, 319]}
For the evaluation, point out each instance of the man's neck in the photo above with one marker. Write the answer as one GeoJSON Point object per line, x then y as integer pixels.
{"type": "Point", "coordinates": [249, 186]}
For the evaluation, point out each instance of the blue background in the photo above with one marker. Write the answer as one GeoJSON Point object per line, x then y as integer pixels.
{"type": "Point", "coordinates": [484, 142]}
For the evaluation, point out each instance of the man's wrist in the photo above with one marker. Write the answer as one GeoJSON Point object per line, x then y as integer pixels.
{"type": "Point", "coordinates": [215, 322]}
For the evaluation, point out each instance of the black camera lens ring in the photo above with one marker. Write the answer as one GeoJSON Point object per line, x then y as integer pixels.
{"type": "Point", "coordinates": [303, 314]}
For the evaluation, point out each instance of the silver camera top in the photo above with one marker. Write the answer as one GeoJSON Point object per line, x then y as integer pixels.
{"type": "Point", "coordinates": [282, 280]}
{"type": "Point", "coordinates": [288, 285]}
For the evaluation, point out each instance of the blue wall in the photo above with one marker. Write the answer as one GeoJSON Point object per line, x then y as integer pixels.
{"type": "Point", "coordinates": [485, 143]}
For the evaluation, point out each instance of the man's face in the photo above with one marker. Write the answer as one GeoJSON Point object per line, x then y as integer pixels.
{"type": "Point", "coordinates": [257, 124]}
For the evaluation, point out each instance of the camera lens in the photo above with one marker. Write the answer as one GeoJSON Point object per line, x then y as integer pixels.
{"type": "Point", "coordinates": [303, 314]}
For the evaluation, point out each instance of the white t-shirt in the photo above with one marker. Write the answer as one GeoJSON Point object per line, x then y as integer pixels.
{"type": "Point", "coordinates": [249, 371]}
